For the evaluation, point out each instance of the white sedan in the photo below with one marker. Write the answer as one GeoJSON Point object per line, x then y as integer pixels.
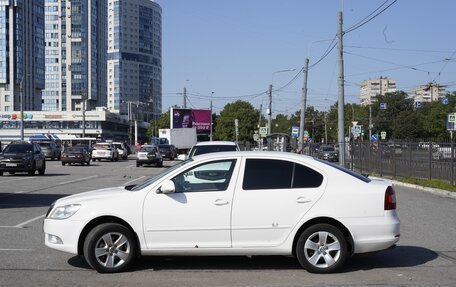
{"type": "Point", "coordinates": [234, 203]}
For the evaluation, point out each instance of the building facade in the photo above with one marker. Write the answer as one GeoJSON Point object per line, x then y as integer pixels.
{"type": "Point", "coordinates": [428, 93]}
{"type": "Point", "coordinates": [370, 89]}
{"type": "Point", "coordinates": [134, 58]}
{"type": "Point", "coordinates": [76, 37]}
{"type": "Point", "coordinates": [21, 54]}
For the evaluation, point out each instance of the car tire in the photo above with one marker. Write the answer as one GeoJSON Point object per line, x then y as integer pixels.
{"type": "Point", "coordinates": [138, 164]}
{"type": "Point", "coordinates": [118, 244]}
{"type": "Point", "coordinates": [63, 164]}
{"type": "Point", "coordinates": [88, 162]}
{"type": "Point", "coordinates": [11, 172]}
{"type": "Point", "coordinates": [32, 171]}
{"type": "Point", "coordinates": [42, 170]}
{"type": "Point", "coordinates": [321, 248]}
{"type": "Point", "coordinates": [1, 173]}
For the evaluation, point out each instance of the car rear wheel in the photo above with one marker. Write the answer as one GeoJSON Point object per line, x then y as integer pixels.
{"type": "Point", "coordinates": [32, 170]}
{"type": "Point", "coordinates": [110, 248]}
{"type": "Point", "coordinates": [322, 248]}
{"type": "Point", "coordinates": [43, 169]}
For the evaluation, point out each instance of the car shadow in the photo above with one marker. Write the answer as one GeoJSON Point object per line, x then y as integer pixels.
{"type": "Point", "coordinates": [401, 256]}
{"type": "Point", "coordinates": [27, 200]}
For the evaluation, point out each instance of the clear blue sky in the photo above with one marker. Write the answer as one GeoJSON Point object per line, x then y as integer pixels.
{"type": "Point", "coordinates": [233, 48]}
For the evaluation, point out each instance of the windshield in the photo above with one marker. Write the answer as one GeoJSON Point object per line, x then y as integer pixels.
{"type": "Point", "coordinates": [18, 149]}
{"type": "Point", "coordinates": [147, 148]}
{"type": "Point", "coordinates": [154, 178]}
{"type": "Point", "coordinates": [328, 148]}
{"type": "Point", "coordinates": [74, 149]}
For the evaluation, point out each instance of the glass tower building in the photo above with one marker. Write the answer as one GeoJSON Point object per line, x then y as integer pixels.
{"type": "Point", "coordinates": [21, 54]}
{"type": "Point", "coordinates": [76, 37]}
{"type": "Point", "coordinates": [134, 58]}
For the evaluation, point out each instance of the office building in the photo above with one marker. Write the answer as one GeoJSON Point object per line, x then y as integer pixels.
{"type": "Point", "coordinates": [21, 54]}
{"type": "Point", "coordinates": [134, 58]}
{"type": "Point", "coordinates": [76, 35]}
{"type": "Point", "coordinates": [370, 89]}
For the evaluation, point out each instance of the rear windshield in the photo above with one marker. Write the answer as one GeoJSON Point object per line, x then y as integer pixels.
{"type": "Point", "coordinates": [347, 171]}
{"type": "Point", "coordinates": [74, 149]}
{"type": "Point", "coordinates": [212, 148]}
{"type": "Point", "coordinates": [102, 146]}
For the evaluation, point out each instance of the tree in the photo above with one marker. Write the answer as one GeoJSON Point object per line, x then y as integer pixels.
{"type": "Point", "coordinates": [247, 117]}
{"type": "Point", "coordinates": [162, 123]}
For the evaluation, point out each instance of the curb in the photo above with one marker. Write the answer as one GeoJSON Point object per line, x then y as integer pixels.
{"type": "Point", "coordinates": [436, 191]}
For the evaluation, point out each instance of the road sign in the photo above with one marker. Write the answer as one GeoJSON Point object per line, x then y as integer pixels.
{"type": "Point", "coordinates": [354, 123]}
{"type": "Point", "coordinates": [383, 106]}
{"type": "Point", "coordinates": [295, 131]}
{"type": "Point", "coordinates": [445, 101]}
{"type": "Point", "coordinates": [418, 104]}
{"type": "Point", "coordinates": [374, 137]}
{"type": "Point", "coordinates": [452, 118]}
{"type": "Point", "coordinates": [383, 135]}
{"type": "Point", "coordinates": [263, 131]}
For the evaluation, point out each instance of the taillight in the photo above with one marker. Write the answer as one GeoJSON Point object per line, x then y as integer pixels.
{"type": "Point", "coordinates": [390, 198]}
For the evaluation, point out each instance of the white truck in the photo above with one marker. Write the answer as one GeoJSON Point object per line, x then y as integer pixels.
{"type": "Point", "coordinates": [182, 138]}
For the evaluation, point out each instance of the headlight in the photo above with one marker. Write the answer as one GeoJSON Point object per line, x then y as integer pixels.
{"type": "Point", "coordinates": [64, 212]}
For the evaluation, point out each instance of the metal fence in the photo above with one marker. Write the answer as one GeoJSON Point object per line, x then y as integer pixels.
{"type": "Point", "coordinates": [425, 160]}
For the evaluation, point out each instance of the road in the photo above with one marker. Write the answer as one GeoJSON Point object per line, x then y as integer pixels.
{"type": "Point", "coordinates": [425, 256]}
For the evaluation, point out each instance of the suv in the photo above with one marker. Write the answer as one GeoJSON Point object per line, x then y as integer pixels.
{"type": "Point", "coordinates": [105, 151]}
{"type": "Point", "coordinates": [22, 157]}
{"type": "Point", "coordinates": [50, 149]}
{"type": "Point", "coordinates": [149, 154]}
{"type": "Point", "coordinates": [122, 149]}
{"type": "Point", "coordinates": [168, 151]}
{"type": "Point", "coordinates": [213, 146]}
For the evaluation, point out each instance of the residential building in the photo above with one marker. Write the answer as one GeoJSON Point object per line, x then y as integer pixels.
{"type": "Point", "coordinates": [76, 36]}
{"type": "Point", "coordinates": [430, 92]}
{"type": "Point", "coordinates": [134, 58]}
{"type": "Point", "coordinates": [370, 89]}
{"type": "Point", "coordinates": [21, 55]}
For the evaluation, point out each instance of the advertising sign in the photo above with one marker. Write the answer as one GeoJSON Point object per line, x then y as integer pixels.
{"type": "Point", "coordinates": [189, 118]}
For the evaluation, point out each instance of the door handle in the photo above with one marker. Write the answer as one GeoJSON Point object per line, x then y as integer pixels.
{"type": "Point", "coordinates": [221, 202]}
{"type": "Point", "coordinates": [302, 199]}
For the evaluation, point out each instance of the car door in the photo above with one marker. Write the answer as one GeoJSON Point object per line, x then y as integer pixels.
{"type": "Point", "coordinates": [271, 197]}
{"type": "Point", "coordinates": [197, 214]}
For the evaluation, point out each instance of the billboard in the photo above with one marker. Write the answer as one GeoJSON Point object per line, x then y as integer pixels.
{"type": "Point", "coordinates": [189, 118]}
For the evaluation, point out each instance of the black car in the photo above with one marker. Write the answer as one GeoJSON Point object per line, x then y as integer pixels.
{"type": "Point", "coordinates": [50, 149]}
{"type": "Point", "coordinates": [22, 157]}
{"type": "Point", "coordinates": [168, 151]}
{"type": "Point", "coordinates": [76, 154]}
{"type": "Point", "coordinates": [328, 153]}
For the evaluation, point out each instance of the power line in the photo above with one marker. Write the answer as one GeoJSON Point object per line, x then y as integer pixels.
{"type": "Point", "coordinates": [364, 21]}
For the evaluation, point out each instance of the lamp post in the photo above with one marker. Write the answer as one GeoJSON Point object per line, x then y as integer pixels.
{"type": "Point", "coordinates": [210, 135]}
{"type": "Point", "coordinates": [22, 110]}
{"type": "Point", "coordinates": [270, 97]}
{"type": "Point", "coordinates": [83, 115]}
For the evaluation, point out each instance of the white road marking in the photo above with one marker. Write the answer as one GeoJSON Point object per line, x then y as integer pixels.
{"type": "Point", "coordinates": [77, 180]}
{"type": "Point", "coordinates": [16, 179]}
{"type": "Point", "coordinates": [133, 180]}
{"type": "Point", "coordinates": [15, 249]}
{"type": "Point", "coordinates": [21, 225]}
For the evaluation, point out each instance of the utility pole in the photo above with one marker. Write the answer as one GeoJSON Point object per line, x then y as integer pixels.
{"type": "Point", "coordinates": [341, 136]}
{"type": "Point", "coordinates": [22, 109]}
{"type": "Point", "coordinates": [326, 131]}
{"type": "Point", "coordinates": [184, 103]}
{"type": "Point", "coordinates": [259, 125]}
{"type": "Point", "coordinates": [270, 110]}
{"type": "Point", "coordinates": [210, 136]}
{"type": "Point", "coordinates": [83, 116]}
{"type": "Point", "coordinates": [303, 107]}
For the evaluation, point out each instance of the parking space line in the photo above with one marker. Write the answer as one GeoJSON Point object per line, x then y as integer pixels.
{"type": "Point", "coordinates": [133, 180]}
{"type": "Point", "coordinates": [15, 249]}
{"type": "Point", "coordinates": [16, 179]}
{"type": "Point", "coordinates": [77, 180]}
{"type": "Point", "coordinates": [21, 225]}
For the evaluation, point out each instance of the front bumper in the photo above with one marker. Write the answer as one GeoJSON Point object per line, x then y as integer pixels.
{"type": "Point", "coordinates": [67, 231]}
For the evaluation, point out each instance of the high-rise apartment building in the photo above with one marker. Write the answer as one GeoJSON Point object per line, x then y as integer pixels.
{"type": "Point", "coordinates": [370, 89]}
{"type": "Point", "coordinates": [428, 93]}
{"type": "Point", "coordinates": [21, 54]}
{"type": "Point", "coordinates": [134, 58]}
{"type": "Point", "coordinates": [76, 37]}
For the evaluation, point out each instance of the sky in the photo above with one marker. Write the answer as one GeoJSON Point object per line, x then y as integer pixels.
{"type": "Point", "coordinates": [233, 50]}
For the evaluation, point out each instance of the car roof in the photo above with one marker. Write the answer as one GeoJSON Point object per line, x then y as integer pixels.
{"type": "Point", "coordinates": [215, 143]}
{"type": "Point", "coordinates": [259, 154]}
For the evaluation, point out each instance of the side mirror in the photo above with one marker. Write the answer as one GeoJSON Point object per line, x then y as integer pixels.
{"type": "Point", "coordinates": [167, 187]}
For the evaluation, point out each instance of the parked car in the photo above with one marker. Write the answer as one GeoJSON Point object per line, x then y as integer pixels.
{"type": "Point", "coordinates": [121, 149]}
{"type": "Point", "coordinates": [86, 146]}
{"type": "Point", "coordinates": [441, 152]}
{"type": "Point", "coordinates": [22, 157]}
{"type": "Point", "coordinates": [328, 153]}
{"type": "Point", "coordinates": [105, 150]}
{"type": "Point", "coordinates": [389, 149]}
{"type": "Point", "coordinates": [212, 146]}
{"type": "Point", "coordinates": [50, 149]}
{"type": "Point", "coordinates": [76, 154]}
{"type": "Point", "coordinates": [168, 151]}
{"type": "Point", "coordinates": [149, 154]}
{"type": "Point", "coordinates": [231, 203]}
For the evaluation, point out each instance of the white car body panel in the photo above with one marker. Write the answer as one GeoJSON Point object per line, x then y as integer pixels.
{"type": "Point", "coordinates": [234, 221]}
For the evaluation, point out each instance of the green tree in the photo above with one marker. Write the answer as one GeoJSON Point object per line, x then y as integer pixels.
{"type": "Point", "coordinates": [247, 117]}
{"type": "Point", "coordinates": [162, 123]}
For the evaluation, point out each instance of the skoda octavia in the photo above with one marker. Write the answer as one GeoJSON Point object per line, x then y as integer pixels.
{"type": "Point", "coordinates": [231, 203]}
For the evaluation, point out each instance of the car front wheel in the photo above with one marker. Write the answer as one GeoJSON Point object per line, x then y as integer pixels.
{"type": "Point", "coordinates": [110, 248]}
{"type": "Point", "coordinates": [322, 248]}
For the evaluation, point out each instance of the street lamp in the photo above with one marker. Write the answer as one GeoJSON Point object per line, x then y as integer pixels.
{"type": "Point", "coordinates": [83, 115]}
{"type": "Point", "coordinates": [270, 97]}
